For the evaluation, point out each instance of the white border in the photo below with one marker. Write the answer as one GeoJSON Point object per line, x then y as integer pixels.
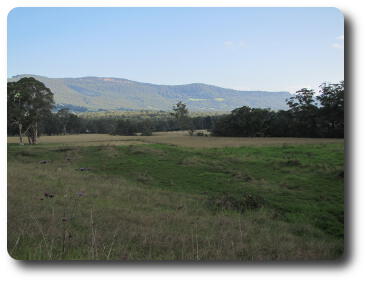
{"type": "Point", "coordinates": [353, 269]}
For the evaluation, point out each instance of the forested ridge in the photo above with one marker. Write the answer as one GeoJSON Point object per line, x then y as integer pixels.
{"type": "Point", "coordinates": [107, 93]}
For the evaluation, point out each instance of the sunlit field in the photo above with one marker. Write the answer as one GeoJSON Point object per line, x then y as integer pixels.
{"type": "Point", "coordinates": [180, 138]}
{"type": "Point", "coordinates": [172, 196]}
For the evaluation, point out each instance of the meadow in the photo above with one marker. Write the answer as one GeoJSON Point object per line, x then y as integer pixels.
{"type": "Point", "coordinates": [171, 196]}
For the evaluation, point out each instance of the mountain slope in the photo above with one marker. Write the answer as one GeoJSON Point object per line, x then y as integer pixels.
{"type": "Point", "coordinates": [95, 93]}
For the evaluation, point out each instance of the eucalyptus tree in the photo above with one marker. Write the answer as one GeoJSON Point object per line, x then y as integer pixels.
{"type": "Point", "coordinates": [16, 111]}
{"type": "Point", "coordinates": [181, 114]}
{"type": "Point", "coordinates": [331, 99]}
{"type": "Point", "coordinates": [304, 111]}
{"type": "Point", "coordinates": [29, 101]}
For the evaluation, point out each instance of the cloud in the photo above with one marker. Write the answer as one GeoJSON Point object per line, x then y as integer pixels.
{"type": "Point", "coordinates": [228, 43]}
{"type": "Point", "coordinates": [337, 45]}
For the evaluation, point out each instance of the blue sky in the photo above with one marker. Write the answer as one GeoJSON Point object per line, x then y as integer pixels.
{"type": "Point", "coordinates": [242, 48]}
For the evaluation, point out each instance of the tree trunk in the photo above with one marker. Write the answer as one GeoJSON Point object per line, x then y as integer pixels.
{"type": "Point", "coordinates": [29, 138]}
{"type": "Point", "coordinates": [35, 133]}
{"type": "Point", "coordinates": [30, 135]}
{"type": "Point", "coordinates": [20, 134]}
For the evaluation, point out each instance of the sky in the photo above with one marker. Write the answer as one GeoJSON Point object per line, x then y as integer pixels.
{"type": "Point", "coordinates": [274, 49]}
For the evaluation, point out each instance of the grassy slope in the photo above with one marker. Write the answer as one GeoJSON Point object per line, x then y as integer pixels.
{"type": "Point", "coordinates": [151, 202]}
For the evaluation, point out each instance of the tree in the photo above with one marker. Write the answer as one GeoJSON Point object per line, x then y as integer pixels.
{"type": "Point", "coordinates": [29, 101]}
{"type": "Point", "coordinates": [331, 99]}
{"type": "Point", "coordinates": [74, 124]}
{"type": "Point", "coordinates": [146, 128]}
{"type": "Point", "coordinates": [16, 111]}
{"type": "Point", "coordinates": [125, 127]}
{"type": "Point", "coordinates": [244, 122]}
{"type": "Point", "coordinates": [304, 111]}
{"type": "Point", "coordinates": [50, 125]}
{"type": "Point", "coordinates": [181, 114]}
{"type": "Point", "coordinates": [63, 116]}
{"type": "Point", "coordinates": [302, 101]}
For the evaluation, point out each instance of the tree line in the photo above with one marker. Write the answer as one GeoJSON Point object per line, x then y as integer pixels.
{"type": "Point", "coordinates": [30, 105]}
{"type": "Point", "coordinates": [312, 116]}
{"type": "Point", "coordinates": [65, 122]}
{"type": "Point", "coordinates": [29, 110]}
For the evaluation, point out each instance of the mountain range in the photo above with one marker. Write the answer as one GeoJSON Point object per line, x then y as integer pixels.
{"type": "Point", "coordinates": [106, 93]}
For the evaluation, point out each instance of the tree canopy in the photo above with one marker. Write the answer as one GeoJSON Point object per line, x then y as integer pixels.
{"type": "Point", "coordinates": [308, 116]}
{"type": "Point", "coordinates": [181, 113]}
{"type": "Point", "coordinates": [29, 101]}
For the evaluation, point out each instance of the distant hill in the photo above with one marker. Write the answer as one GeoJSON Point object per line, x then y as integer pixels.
{"type": "Point", "coordinates": [104, 93]}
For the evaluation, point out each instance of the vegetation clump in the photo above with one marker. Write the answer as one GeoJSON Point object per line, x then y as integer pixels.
{"type": "Point", "coordinates": [246, 201]}
{"type": "Point", "coordinates": [307, 116]}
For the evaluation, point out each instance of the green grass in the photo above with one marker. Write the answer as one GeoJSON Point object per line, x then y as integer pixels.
{"type": "Point", "coordinates": [299, 182]}
{"type": "Point", "coordinates": [162, 202]}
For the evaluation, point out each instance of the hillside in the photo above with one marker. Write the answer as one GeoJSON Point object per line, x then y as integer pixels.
{"type": "Point", "coordinates": [102, 93]}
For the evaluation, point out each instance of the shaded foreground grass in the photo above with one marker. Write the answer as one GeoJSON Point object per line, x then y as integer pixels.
{"type": "Point", "coordinates": [160, 202]}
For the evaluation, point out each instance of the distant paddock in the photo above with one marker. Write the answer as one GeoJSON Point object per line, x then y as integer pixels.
{"type": "Point", "coordinates": [180, 138]}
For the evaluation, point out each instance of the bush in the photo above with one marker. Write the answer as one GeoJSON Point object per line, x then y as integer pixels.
{"type": "Point", "coordinates": [245, 202]}
{"type": "Point", "coordinates": [147, 132]}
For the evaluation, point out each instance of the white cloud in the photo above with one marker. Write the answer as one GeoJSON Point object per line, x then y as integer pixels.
{"type": "Point", "coordinates": [228, 43]}
{"type": "Point", "coordinates": [337, 45]}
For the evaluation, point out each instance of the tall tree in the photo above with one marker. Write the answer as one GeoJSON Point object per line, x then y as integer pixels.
{"type": "Point", "coordinates": [16, 112]}
{"type": "Point", "coordinates": [331, 99]}
{"type": "Point", "coordinates": [304, 111]}
{"type": "Point", "coordinates": [181, 113]}
{"type": "Point", "coordinates": [29, 101]}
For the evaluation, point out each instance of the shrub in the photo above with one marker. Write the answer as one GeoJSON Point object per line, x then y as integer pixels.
{"type": "Point", "coordinates": [245, 202]}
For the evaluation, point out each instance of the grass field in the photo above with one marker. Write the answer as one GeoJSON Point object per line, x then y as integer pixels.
{"type": "Point", "coordinates": [176, 197]}
{"type": "Point", "coordinates": [180, 138]}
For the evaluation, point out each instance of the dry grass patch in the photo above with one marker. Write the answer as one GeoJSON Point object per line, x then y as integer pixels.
{"type": "Point", "coordinates": [179, 138]}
